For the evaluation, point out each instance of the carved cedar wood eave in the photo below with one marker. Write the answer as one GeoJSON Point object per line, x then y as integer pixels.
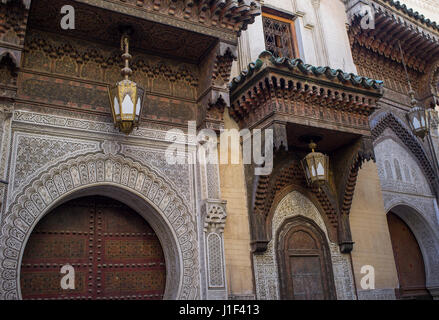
{"type": "Point", "coordinates": [101, 26]}
{"type": "Point", "coordinates": [419, 36]}
{"type": "Point", "coordinates": [213, 89]}
{"type": "Point", "coordinates": [315, 96]}
{"type": "Point", "coordinates": [389, 120]}
{"type": "Point", "coordinates": [211, 57]}
{"type": "Point", "coordinates": [223, 19]}
{"type": "Point", "coordinates": [284, 86]}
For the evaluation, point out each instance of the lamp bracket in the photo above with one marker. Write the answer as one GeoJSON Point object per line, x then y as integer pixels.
{"type": "Point", "coordinates": [126, 29]}
{"type": "Point", "coordinates": [308, 138]}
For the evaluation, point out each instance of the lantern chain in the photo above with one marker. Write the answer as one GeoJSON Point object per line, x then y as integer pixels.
{"type": "Point", "coordinates": [411, 91]}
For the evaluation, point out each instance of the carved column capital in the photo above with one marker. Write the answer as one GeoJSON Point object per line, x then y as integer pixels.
{"type": "Point", "coordinates": [215, 215]}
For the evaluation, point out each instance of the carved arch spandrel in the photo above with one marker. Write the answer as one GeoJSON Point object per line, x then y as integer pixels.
{"type": "Point", "coordinates": [331, 226]}
{"type": "Point", "coordinates": [93, 170]}
{"type": "Point", "coordinates": [269, 191]}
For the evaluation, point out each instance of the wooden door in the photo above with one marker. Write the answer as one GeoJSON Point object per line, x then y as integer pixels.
{"type": "Point", "coordinates": [307, 266]}
{"type": "Point", "coordinates": [114, 252]}
{"type": "Point", "coordinates": [408, 259]}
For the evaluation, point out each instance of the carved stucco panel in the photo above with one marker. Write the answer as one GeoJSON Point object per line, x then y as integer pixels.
{"type": "Point", "coordinates": [265, 264]}
{"type": "Point", "coordinates": [89, 124]}
{"type": "Point", "coordinates": [33, 153]}
{"type": "Point", "coordinates": [179, 175]}
{"type": "Point", "coordinates": [397, 168]}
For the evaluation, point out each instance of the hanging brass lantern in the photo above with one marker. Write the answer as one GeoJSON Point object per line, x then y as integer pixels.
{"type": "Point", "coordinates": [418, 118]}
{"type": "Point", "coordinates": [316, 167]}
{"type": "Point", "coordinates": [126, 97]}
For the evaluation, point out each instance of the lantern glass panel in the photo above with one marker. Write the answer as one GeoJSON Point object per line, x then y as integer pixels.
{"type": "Point", "coordinates": [307, 173]}
{"type": "Point", "coordinates": [416, 123]}
{"type": "Point", "coordinates": [320, 169]}
{"type": "Point", "coordinates": [422, 120]}
{"type": "Point", "coordinates": [313, 171]}
{"type": "Point", "coordinates": [315, 165]}
{"type": "Point", "coordinates": [116, 106]}
{"type": "Point", "coordinates": [127, 106]}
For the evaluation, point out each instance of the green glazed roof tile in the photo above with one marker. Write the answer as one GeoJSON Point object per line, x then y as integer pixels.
{"type": "Point", "coordinates": [307, 69]}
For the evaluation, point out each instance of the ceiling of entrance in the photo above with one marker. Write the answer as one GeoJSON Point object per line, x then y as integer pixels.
{"type": "Point", "coordinates": [99, 25]}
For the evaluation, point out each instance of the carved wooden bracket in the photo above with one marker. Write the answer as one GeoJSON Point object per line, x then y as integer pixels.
{"type": "Point", "coordinates": [392, 22]}
{"type": "Point", "coordinates": [293, 98]}
{"type": "Point", "coordinates": [333, 200]}
{"type": "Point", "coordinates": [215, 75]}
{"type": "Point", "coordinates": [346, 163]}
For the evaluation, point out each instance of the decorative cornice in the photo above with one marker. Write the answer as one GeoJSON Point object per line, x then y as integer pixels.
{"type": "Point", "coordinates": [229, 17]}
{"type": "Point", "coordinates": [273, 87]}
{"type": "Point", "coordinates": [297, 66]}
{"type": "Point", "coordinates": [393, 22]}
{"type": "Point", "coordinates": [401, 7]}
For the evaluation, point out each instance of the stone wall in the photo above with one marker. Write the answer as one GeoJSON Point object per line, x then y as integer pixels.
{"type": "Point", "coordinates": [236, 233]}
{"type": "Point", "coordinates": [320, 29]}
{"type": "Point", "coordinates": [371, 236]}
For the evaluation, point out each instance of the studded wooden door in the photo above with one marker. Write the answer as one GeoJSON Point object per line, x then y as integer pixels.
{"type": "Point", "coordinates": [408, 259]}
{"type": "Point", "coordinates": [115, 254]}
{"type": "Point", "coordinates": [306, 264]}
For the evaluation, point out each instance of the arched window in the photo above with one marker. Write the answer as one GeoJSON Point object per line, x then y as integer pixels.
{"type": "Point", "coordinates": [388, 168]}
{"type": "Point", "coordinates": [408, 178]}
{"type": "Point", "coordinates": [397, 170]}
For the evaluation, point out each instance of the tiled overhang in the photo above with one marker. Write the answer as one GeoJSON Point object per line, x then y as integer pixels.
{"type": "Point", "coordinates": [301, 93]}
{"type": "Point", "coordinates": [393, 22]}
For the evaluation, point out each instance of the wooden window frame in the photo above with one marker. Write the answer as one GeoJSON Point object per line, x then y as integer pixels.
{"type": "Point", "coordinates": [279, 16]}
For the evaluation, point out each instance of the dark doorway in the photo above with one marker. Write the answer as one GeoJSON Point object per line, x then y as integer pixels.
{"type": "Point", "coordinates": [306, 269]}
{"type": "Point", "coordinates": [113, 250]}
{"type": "Point", "coordinates": [408, 259]}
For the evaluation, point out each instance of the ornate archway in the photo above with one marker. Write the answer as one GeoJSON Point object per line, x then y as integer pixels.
{"type": "Point", "coordinates": [295, 205]}
{"type": "Point", "coordinates": [305, 268]}
{"type": "Point", "coordinates": [426, 237]}
{"type": "Point", "coordinates": [409, 261]}
{"type": "Point", "coordinates": [127, 181]}
{"type": "Point", "coordinates": [409, 193]}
